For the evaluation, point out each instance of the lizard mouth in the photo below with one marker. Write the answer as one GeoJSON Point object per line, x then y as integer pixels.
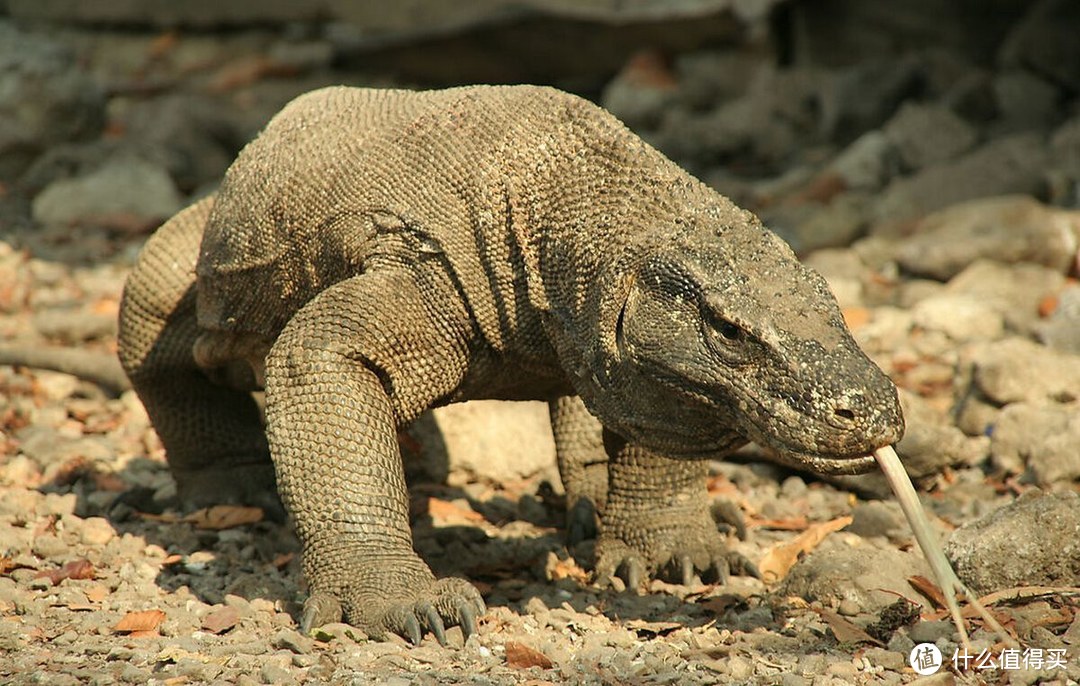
{"type": "Point", "coordinates": [828, 466]}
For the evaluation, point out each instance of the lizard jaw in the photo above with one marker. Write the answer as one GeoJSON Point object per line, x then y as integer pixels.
{"type": "Point", "coordinates": [828, 466]}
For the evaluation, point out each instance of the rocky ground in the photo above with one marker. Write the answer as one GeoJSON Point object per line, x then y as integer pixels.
{"type": "Point", "coordinates": [938, 197]}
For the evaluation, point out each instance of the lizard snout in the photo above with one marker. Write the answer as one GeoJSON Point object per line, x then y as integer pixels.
{"type": "Point", "coordinates": [863, 420]}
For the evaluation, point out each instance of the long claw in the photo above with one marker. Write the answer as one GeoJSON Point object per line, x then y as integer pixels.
{"type": "Point", "coordinates": [412, 630]}
{"type": "Point", "coordinates": [435, 624]}
{"type": "Point", "coordinates": [726, 512]}
{"type": "Point", "coordinates": [467, 620]}
{"type": "Point", "coordinates": [307, 620]}
{"type": "Point", "coordinates": [319, 609]}
{"type": "Point", "coordinates": [687, 566]}
{"type": "Point", "coordinates": [743, 566]}
{"type": "Point", "coordinates": [635, 572]}
{"type": "Point", "coordinates": [722, 570]}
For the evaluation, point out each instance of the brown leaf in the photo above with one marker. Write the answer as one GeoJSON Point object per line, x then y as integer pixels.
{"type": "Point", "coordinates": [283, 560]}
{"type": "Point", "coordinates": [799, 523]}
{"type": "Point", "coordinates": [720, 604]}
{"type": "Point", "coordinates": [521, 656]}
{"type": "Point", "coordinates": [568, 569]}
{"type": "Point", "coordinates": [221, 620]}
{"type": "Point", "coordinates": [163, 44]}
{"type": "Point", "coordinates": [928, 588]}
{"type": "Point", "coordinates": [140, 623]}
{"type": "Point", "coordinates": [97, 593]}
{"type": "Point", "coordinates": [844, 630]}
{"type": "Point", "coordinates": [779, 560]}
{"type": "Point", "coordinates": [1048, 305]}
{"type": "Point", "coordinates": [856, 317]}
{"type": "Point", "coordinates": [447, 512]}
{"type": "Point", "coordinates": [221, 517]}
{"type": "Point", "coordinates": [76, 569]}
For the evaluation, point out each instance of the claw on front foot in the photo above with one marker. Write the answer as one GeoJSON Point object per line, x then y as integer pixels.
{"type": "Point", "coordinates": [678, 557]}
{"type": "Point", "coordinates": [434, 608]}
{"type": "Point", "coordinates": [319, 609]}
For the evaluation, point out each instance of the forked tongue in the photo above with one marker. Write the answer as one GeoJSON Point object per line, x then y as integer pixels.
{"type": "Point", "coordinates": [943, 572]}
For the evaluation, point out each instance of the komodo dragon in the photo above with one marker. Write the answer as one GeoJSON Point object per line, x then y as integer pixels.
{"type": "Point", "coordinates": [374, 253]}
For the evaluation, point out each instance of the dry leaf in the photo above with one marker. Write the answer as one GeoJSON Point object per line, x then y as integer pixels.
{"type": "Point", "coordinates": [221, 620]}
{"type": "Point", "coordinates": [96, 593]}
{"type": "Point", "coordinates": [799, 523]}
{"type": "Point", "coordinates": [283, 560]}
{"type": "Point", "coordinates": [221, 517]}
{"type": "Point", "coordinates": [856, 317]}
{"type": "Point", "coordinates": [779, 560]}
{"type": "Point", "coordinates": [928, 588]}
{"type": "Point", "coordinates": [447, 512]}
{"type": "Point", "coordinates": [844, 630]}
{"type": "Point", "coordinates": [568, 569]}
{"type": "Point", "coordinates": [1048, 305]}
{"type": "Point", "coordinates": [76, 569]}
{"type": "Point", "coordinates": [521, 656]}
{"type": "Point", "coordinates": [140, 623]}
{"type": "Point", "coordinates": [1027, 593]}
{"type": "Point", "coordinates": [720, 604]}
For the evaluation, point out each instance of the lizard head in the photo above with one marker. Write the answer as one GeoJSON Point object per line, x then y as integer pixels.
{"type": "Point", "coordinates": [719, 333]}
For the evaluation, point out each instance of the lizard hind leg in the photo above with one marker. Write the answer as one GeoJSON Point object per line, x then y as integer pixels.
{"type": "Point", "coordinates": [213, 434]}
{"type": "Point", "coordinates": [583, 465]}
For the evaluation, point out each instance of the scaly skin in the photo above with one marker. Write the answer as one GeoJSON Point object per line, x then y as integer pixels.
{"type": "Point", "coordinates": [376, 253]}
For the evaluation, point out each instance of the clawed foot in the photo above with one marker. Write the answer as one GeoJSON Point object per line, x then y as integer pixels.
{"type": "Point", "coordinates": [697, 550]}
{"type": "Point", "coordinates": [445, 603]}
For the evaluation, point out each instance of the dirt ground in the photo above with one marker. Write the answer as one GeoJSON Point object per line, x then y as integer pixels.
{"type": "Point", "coordinates": [104, 580]}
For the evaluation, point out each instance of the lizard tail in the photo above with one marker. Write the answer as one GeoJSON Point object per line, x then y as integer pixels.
{"type": "Point", "coordinates": [99, 368]}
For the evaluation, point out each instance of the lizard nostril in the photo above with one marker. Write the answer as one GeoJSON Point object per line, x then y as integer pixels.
{"type": "Point", "coordinates": [844, 413]}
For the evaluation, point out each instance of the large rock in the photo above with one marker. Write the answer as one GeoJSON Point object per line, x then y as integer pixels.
{"type": "Point", "coordinates": [1039, 438]}
{"type": "Point", "coordinates": [1013, 292]}
{"type": "Point", "coordinates": [1019, 370]}
{"type": "Point", "coordinates": [855, 571]}
{"type": "Point", "coordinates": [126, 192]}
{"type": "Point", "coordinates": [1006, 229]}
{"type": "Point", "coordinates": [1013, 164]}
{"type": "Point", "coordinates": [928, 134]}
{"type": "Point", "coordinates": [1030, 542]}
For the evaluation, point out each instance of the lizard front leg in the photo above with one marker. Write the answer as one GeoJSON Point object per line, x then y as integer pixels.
{"type": "Point", "coordinates": [657, 519]}
{"type": "Point", "coordinates": [360, 359]}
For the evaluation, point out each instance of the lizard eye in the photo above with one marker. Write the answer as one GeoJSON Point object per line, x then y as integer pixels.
{"type": "Point", "coordinates": [728, 330]}
{"type": "Point", "coordinates": [726, 338]}
{"type": "Point", "coordinates": [722, 328]}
